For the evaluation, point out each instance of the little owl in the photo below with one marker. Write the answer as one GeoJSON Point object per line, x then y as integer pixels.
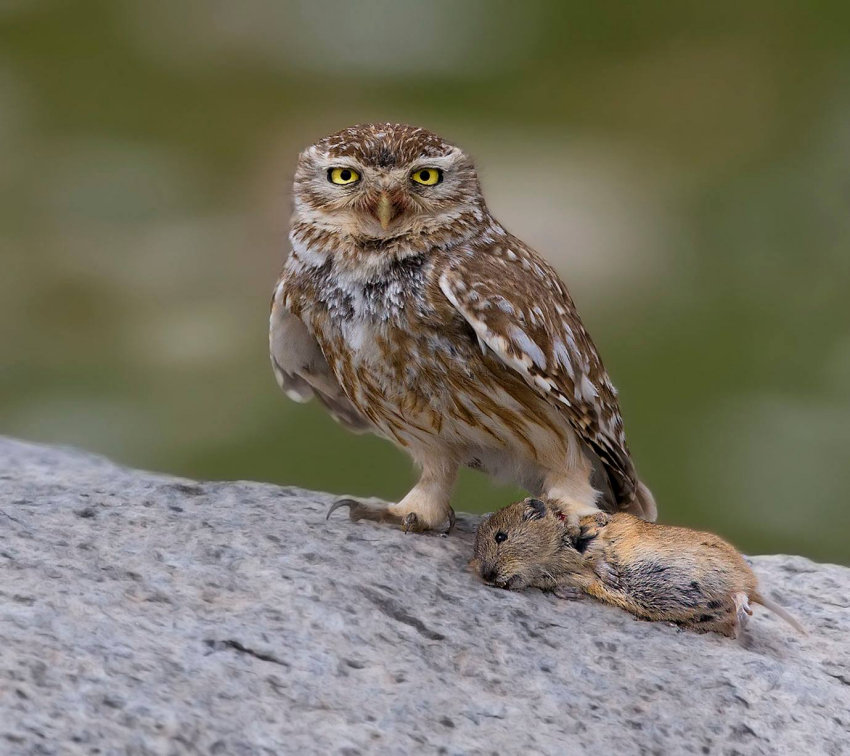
{"type": "Point", "coordinates": [407, 310]}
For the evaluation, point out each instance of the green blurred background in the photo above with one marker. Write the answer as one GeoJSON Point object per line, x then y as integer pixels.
{"type": "Point", "coordinates": [686, 167]}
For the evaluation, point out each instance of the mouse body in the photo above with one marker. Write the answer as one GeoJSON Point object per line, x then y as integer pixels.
{"type": "Point", "coordinates": [657, 572]}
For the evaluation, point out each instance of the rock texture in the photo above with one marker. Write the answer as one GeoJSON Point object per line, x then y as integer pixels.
{"type": "Point", "coordinates": [146, 614]}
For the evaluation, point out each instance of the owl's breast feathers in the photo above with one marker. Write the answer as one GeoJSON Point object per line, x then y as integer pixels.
{"type": "Point", "coordinates": [474, 344]}
{"type": "Point", "coordinates": [381, 342]}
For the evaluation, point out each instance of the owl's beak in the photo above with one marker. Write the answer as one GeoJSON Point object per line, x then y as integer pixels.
{"type": "Point", "coordinates": [385, 210]}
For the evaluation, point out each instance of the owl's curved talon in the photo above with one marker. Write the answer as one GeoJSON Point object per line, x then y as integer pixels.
{"type": "Point", "coordinates": [452, 520]}
{"type": "Point", "coordinates": [363, 509]}
{"type": "Point", "coordinates": [573, 527]}
{"type": "Point", "coordinates": [410, 523]}
{"type": "Point", "coordinates": [337, 504]}
{"type": "Point", "coordinates": [592, 524]}
{"type": "Point", "coordinates": [584, 528]}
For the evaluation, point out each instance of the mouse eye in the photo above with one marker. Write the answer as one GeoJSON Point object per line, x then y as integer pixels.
{"type": "Point", "coordinates": [500, 537]}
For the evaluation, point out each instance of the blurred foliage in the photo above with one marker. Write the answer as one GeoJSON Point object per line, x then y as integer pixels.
{"type": "Point", "coordinates": [686, 166]}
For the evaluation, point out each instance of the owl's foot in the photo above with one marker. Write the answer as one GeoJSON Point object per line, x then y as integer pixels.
{"type": "Point", "coordinates": [583, 525]}
{"type": "Point", "coordinates": [590, 525]}
{"type": "Point", "coordinates": [411, 523]}
{"type": "Point", "coordinates": [379, 511]}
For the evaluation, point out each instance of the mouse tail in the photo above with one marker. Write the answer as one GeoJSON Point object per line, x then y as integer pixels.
{"type": "Point", "coordinates": [777, 609]}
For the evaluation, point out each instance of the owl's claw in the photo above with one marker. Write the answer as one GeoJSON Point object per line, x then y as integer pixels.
{"type": "Point", "coordinates": [452, 520]}
{"type": "Point", "coordinates": [410, 523]}
{"type": "Point", "coordinates": [364, 509]}
{"type": "Point", "coordinates": [584, 528]}
{"type": "Point", "coordinates": [592, 524]}
{"type": "Point", "coordinates": [413, 524]}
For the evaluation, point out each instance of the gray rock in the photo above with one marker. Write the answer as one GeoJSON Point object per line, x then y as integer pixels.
{"type": "Point", "coordinates": [146, 614]}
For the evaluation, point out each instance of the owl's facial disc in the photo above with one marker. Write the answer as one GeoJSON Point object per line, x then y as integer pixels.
{"type": "Point", "coordinates": [374, 202]}
{"type": "Point", "coordinates": [382, 182]}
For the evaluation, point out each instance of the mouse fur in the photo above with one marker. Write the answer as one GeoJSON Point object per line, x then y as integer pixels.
{"type": "Point", "coordinates": [656, 572]}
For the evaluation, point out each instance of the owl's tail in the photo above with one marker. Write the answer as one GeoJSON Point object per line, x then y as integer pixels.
{"type": "Point", "coordinates": [643, 505]}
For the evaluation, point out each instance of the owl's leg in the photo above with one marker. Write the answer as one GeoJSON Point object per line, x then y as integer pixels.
{"type": "Point", "coordinates": [574, 497]}
{"type": "Point", "coordinates": [426, 506]}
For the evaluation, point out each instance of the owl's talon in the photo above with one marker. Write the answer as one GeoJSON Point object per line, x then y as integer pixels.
{"type": "Point", "coordinates": [368, 509]}
{"type": "Point", "coordinates": [452, 520]}
{"type": "Point", "coordinates": [584, 528]}
{"type": "Point", "coordinates": [592, 524]}
{"type": "Point", "coordinates": [572, 525]}
{"type": "Point", "coordinates": [340, 503]}
{"type": "Point", "coordinates": [410, 523]}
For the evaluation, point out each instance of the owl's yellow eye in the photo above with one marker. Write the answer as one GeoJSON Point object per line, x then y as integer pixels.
{"type": "Point", "coordinates": [343, 176]}
{"type": "Point", "coordinates": [427, 176]}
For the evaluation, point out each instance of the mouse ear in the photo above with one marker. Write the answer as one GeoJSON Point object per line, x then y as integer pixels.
{"type": "Point", "coordinates": [483, 521]}
{"type": "Point", "coordinates": [534, 509]}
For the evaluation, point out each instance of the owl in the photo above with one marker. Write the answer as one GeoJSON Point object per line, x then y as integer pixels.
{"type": "Point", "coordinates": [407, 310]}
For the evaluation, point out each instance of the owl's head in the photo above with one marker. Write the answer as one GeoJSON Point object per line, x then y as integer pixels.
{"type": "Point", "coordinates": [381, 182]}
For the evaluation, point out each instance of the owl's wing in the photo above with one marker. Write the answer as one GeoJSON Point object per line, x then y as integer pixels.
{"type": "Point", "coordinates": [301, 369]}
{"type": "Point", "coordinates": [519, 308]}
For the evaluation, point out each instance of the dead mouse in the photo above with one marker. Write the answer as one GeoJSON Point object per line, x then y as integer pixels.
{"type": "Point", "coordinates": [657, 572]}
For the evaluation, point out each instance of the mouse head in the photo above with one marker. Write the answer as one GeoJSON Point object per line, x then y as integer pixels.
{"type": "Point", "coordinates": [522, 545]}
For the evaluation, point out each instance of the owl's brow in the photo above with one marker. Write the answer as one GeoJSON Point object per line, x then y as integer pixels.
{"type": "Point", "coordinates": [440, 161]}
{"type": "Point", "coordinates": [341, 162]}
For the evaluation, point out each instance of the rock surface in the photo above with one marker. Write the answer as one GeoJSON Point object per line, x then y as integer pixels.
{"type": "Point", "coordinates": [146, 614]}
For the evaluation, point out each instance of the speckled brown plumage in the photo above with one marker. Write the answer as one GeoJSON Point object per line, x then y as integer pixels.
{"type": "Point", "coordinates": [408, 310]}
